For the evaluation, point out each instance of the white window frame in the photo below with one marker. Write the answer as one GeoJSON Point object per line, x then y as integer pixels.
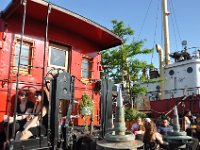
{"type": "Point", "coordinates": [66, 57]}
{"type": "Point", "coordinates": [89, 69]}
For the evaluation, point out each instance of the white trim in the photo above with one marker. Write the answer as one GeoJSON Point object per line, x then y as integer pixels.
{"type": "Point", "coordinates": [66, 58]}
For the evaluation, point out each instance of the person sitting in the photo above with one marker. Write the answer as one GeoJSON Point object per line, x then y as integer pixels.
{"type": "Point", "coordinates": [197, 133]}
{"type": "Point", "coordinates": [34, 127]}
{"type": "Point", "coordinates": [198, 119]}
{"type": "Point", "coordinates": [135, 125]}
{"type": "Point", "coordinates": [139, 133]}
{"type": "Point", "coordinates": [196, 137]}
{"type": "Point", "coordinates": [24, 108]}
{"type": "Point", "coordinates": [152, 139]}
{"type": "Point", "coordinates": [138, 129]}
{"type": "Point", "coordinates": [165, 127]}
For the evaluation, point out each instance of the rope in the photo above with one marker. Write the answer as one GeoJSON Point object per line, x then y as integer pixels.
{"type": "Point", "coordinates": [155, 32]}
{"type": "Point", "coordinates": [144, 20]}
{"type": "Point", "coordinates": [173, 24]}
{"type": "Point", "coordinates": [172, 6]}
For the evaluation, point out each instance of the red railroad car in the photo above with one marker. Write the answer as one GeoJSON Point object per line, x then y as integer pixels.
{"type": "Point", "coordinates": [49, 37]}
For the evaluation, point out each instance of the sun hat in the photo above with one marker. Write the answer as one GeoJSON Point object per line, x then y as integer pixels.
{"type": "Point", "coordinates": [147, 120]}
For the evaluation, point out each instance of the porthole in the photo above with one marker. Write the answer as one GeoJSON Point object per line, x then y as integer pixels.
{"type": "Point", "coordinates": [171, 72]}
{"type": "Point", "coordinates": [158, 88]}
{"type": "Point", "coordinates": [189, 69]}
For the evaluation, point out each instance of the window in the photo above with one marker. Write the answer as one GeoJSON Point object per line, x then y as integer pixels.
{"type": "Point", "coordinates": [25, 58]}
{"type": "Point", "coordinates": [85, 70]}
{"type": "Point", "coordinates": [58, 56]}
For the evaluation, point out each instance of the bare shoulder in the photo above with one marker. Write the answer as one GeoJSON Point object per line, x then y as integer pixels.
{"type": "Point", "coordinates": [157, 135]}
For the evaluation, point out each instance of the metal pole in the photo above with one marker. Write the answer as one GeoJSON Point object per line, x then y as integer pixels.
{"type": "Point", "coordinates": [45, 47]}
{"type": "Point", "coordinates": [44, 67]}
{"type": "Point", "coordinates": [19, 61]}
{"type": "Point", "coordinates": [160, 52]}
{"type": "Point", "coordinates": [166, 32]}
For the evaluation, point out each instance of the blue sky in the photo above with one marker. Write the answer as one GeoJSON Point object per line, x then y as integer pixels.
{"type": "Point", "coordinates": [144, 17]}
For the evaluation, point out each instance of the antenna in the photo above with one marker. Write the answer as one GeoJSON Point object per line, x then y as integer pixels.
{"type": "Point", "coordinates": [184, 44]}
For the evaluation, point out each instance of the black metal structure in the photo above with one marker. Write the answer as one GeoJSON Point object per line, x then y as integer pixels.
{"type": "Point", "coordinates": [37, 142]}
{"type": "Point", "coordinates": [30, 144]}
{"type": "Point", "coordinates": [24, 2]}
{"type": "Point", "coordinates": [106, 106]}
{"type": "Point", "coordinates": [61, 89]}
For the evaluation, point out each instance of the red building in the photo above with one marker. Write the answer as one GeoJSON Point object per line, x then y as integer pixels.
{"type": "Point", "coordinates": [60, 39]}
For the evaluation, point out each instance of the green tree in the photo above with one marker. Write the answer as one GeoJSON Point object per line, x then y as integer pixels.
{"type": "Point", "coordinates": [121, 63]}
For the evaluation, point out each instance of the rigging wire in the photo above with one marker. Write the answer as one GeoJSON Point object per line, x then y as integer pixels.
{"type": "Point", "coordinates": [162, 32]}
{"type": "Point", "coordinates": [176, 25]}
{"type": "Point", "coordinates": [176, 22]}
{"type": "Point", "coordinates": [155, 32]}
{"type": "Point", "coordinates": [173, 26]}
{"type": "Point", "coordinates": [144, 20]}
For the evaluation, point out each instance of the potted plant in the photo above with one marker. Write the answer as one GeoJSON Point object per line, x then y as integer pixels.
{"type": "Point", "coordinates": [86, 108]}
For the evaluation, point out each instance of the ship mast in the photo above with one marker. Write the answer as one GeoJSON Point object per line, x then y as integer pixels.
{"type": "Point", "coordinates": [166, 60]}
{"type": "Point", "coordinates": [166, 32]}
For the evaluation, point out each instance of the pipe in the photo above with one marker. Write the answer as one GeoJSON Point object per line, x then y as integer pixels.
{"type": "Point", "coordinates": [161, 63]}
{"type": "Point", "coordinates": [19, 61]}
{"type": "Point", "coordinates": [44, 63]}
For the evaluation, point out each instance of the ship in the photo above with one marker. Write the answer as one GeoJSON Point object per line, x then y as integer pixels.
{"type": "Point", "coordinates": [176, 82]}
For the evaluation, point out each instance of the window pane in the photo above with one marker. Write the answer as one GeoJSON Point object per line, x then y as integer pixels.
{"type": "Point", "coordinates": [26, 55]}
{"type": "Point", "coordinates": [16, 60]}
{"type": "Point", "coordinates": [24, 61]}
{"type": "Point", "coordinates": [25, 50]}
{"type": "Point", "coordinates": [85, 68]}
{"type": "Point", "coordinates": [85, 74]}
{"type": "Point", "coordinates": [85, 65]}
{"type": "Point", "coordinates": [57, 57]}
